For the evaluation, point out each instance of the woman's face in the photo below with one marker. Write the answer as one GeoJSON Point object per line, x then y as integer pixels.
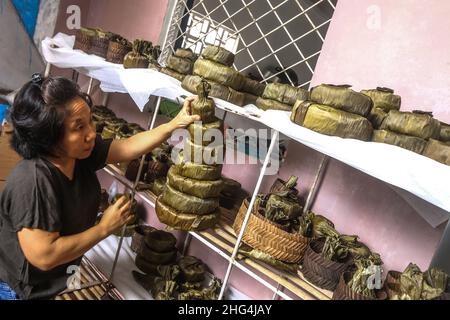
{"type": "Point", "coordinates": [79, 134]}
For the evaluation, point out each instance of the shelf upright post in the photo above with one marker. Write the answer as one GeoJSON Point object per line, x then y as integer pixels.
{"type": "Point", "coordinates": [317, 180]}
{"type": "Point", "coordinates": [48, 68]}
{"type": "Point", "coordinates": [133, 191]}
{"type": "Point", "coordinates": [275, 136]}
{"type": "Point", "coordinates": [89, 89]}
{"type": "Point", "coordinates": [186, 244]}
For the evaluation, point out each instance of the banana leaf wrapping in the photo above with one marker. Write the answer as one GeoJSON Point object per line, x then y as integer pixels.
{"type": "Point", "coordinates": [377, 117]}
{"type": "Point", "coordinates": [343, 98]}
{"type": "Point", "coordinates": [282, 209]}
{"type": "Point", "coordinates": [203, 105]}
{"type": "Point", "coordinates": [158, 186]}
{"type": "Point", "coordinates": [219, 55]}
{"type": "Point", "coordinates": [384, 98]}
{"type": "Point", "coordinates": [335, 249]}
{"type": "Point", "coordinates": [186, 54]}
{"type": "Point", "coordinates": [150, 268]}
{"type": "Point", "coordinates": [330, 121]}
{"type": "Point", "coordinates": [268, 259]}
{"type": "Point", "coordinates": [211, 155]}
{"type": "Point", "coordinates": [173, 73]}
{"type": "Point", "coordinates": [182, 221]}
{"type": "Point", "coordinates": [285, 93]}
{"type": "Point", "coordinates": [197, 132]}
{"type": "Point", "coordinates": [200, 171]}
{"type": "Point", "coordinates": [158, 258]}
{"type": "Point", "coordinates": [118, 48]}
{"type": "Point", "coordinates": [102, 110]}
{"type": "Point", "coordinates": [415, 285]}
{"type": "Point", "coordinates": [180, 65]}
{"type": "Point", "coordinates": [191, 83]}
{"type": "Point", "coordinates": [104, 204]}
{"type": "Point", "coordinates": [413, 144]}
{"type": "Point", "coordinates": [154, 65]}
{"type": "Point", "coordinates": [219, 73]}
{"type": "Point", "coordinates": [268, 104]}
{"type": "Point", "coordinates": [316, 226]}
{"type": "Point", "coordinates": [155, 170]}
{"type": "Point", "coordinates": [357, 249]}
{"type": "Point", "coordinates": [210, 293]}
{"type": "Point", "coordinates": [365, 270]}
{"type": "Point", "coordinates": [160, 241]}
{"type": "Point", "coordinates": [253, 87]}
{"type": "Point", "coordinates": [250, 99]}
{"type": "Point", "coordinates": [83, 39]}
{"type": "Point", "coordinates": [192, 269]}
{"type": "Point", "coordinates": [217, 90]}
{"type": "Point", "coordinates": [438, 151]}
{"type": "Point", "coordinates": [137, 239]}
{"type": "Point", "coordinates": [137, 58]}
{"type": "Point", "coordinates": [444, 135]}
{"type": "Point", "coordinates": [199, 188]}
{"type": "Point", "coordinates": [160, 288]}
{"type": "Point", "coordinates": [417, 124]}
{"type": "Point", "coordinates": [230, 187]}
{"type": "Point", "coordinates": [189, 204]}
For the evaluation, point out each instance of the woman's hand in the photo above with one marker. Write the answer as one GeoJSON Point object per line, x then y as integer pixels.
{"type": "Point", "coordinates": [116, 215]}
{"type": "Point", "coordinates": [184, 117]}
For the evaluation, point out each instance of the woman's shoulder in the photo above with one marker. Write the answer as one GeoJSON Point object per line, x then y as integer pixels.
{"type": "Point", "coordinates": [28, 173]}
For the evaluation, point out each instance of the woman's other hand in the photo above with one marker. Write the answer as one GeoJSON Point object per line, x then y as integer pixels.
{"type": "Point", "coordinates": [185, 117]}
{"type": "Point", "coordinates": [117, 215]}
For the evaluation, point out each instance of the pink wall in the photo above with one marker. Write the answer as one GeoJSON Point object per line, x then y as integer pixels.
{"type": "Point", "coordinates": [407, 51]}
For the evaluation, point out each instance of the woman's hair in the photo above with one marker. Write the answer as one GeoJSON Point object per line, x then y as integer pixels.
{"type": "Point", "coordinates": [38, 114]}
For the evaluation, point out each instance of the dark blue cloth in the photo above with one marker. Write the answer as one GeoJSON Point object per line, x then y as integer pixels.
{"type": "Point", "coordinates": [6, 293]}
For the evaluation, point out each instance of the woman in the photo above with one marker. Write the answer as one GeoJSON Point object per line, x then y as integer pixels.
{"type": "Point", "coordinates": [50, 203]}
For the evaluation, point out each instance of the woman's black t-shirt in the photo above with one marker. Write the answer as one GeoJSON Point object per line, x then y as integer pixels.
{"type": "Point", "coordinates": [39, 196]}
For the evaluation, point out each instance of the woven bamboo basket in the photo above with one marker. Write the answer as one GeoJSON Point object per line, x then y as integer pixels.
{"type": "Point", "coordinates": [344, 292]}
{"type": "Point", "coordinates": [264, 235]}
{"type": "Point", "coordinates": [116, 52]}
{"type": "Point", "coordinates": [99, 46]}
{"type": "Point", "coordinates": [320, 271]}
{"type": "Point", "coordinates": [83, 41]}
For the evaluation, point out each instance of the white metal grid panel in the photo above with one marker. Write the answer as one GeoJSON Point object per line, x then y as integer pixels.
{"type": "Point", "coordinates": [274, 40]}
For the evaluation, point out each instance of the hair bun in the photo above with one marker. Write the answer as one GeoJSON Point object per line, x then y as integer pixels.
{"type": "Point", "coordinates": [36, 78]}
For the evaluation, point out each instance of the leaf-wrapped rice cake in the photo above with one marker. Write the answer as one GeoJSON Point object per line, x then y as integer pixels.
{"type": "Point", "coordinates": [438, 151]}
{"type": "Point", "coordinates": [285, 93]}
{"type": "Point", "coordinates": [377, 117]}
{"type": "Point", "coordinates": [203, 133]}
{"type": "Point", "coordinates": [137, 58]}
{"type": "Point", "coordinates": [343, 98]}
{"type": "Point", "coordinates": [268, 104]}
{"type": "Point", "coordinates": [216, 72]}
{"type": "Point", "coordinates": [203, 105]}
{"type": "Point", "coordinates": [250, 99]}
{"type": "Point", "coordinates": [173, 73]}
{"type": "Point", "coordinates": [192, 269]}
{"type": "Point", "coordinates": [330, 121]}
{"type": "Point", "coordinates": [158, 186]}
{"type": "Point", "coordinates": [203, 189]}
{"type": "Point", "coordinates": [217, 90]}
{"type": "Point", "coordinates": [200, 171]}
{"type": "Point", "coordinates": [189, 204]}
{"type": "Point", "coordinates": [186, 54]}
{"type": "Point", "coordinates": [445, 132]}
{"type": "Point", "coordinates": [417, 124]}
{"type": "Point", "coordinates": [183, 221]}
{"type": "Point", "coordinates": [413, 144]}
{"type": "Point", "coordinates": [180, 65]}
{"type": "Point", "coordinates": [253, 87]}
{"type": "Point", "coordinates": [384, 98]}
{"type": "Point", "coordinates": [219, 55]}
{"type": "Point", "coordinates": [212, 154]}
